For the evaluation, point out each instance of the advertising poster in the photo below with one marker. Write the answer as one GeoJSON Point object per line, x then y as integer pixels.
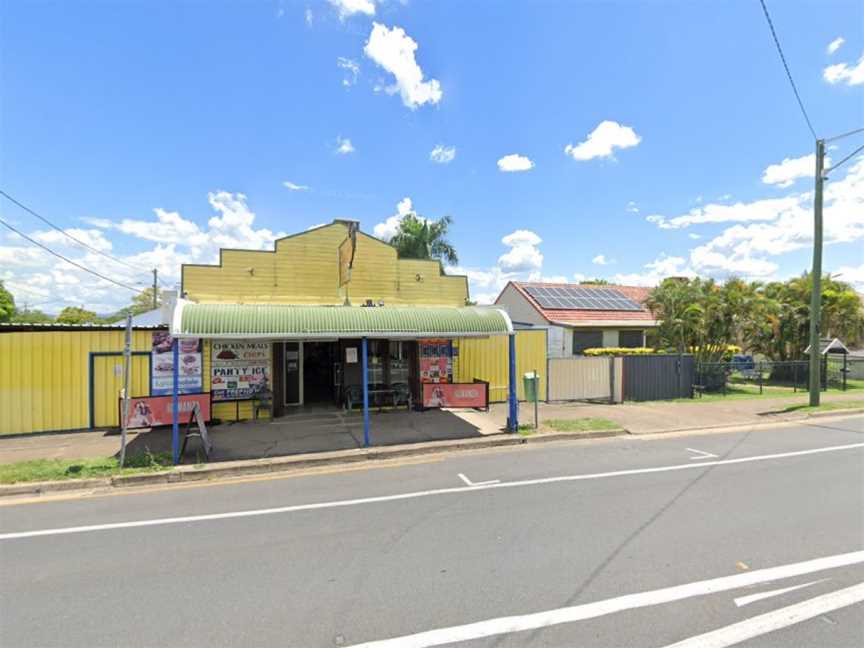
{"type": "Point", "coordinates": [455, 395]}
{"type": "Point", "coordinates": [162, 365]}
{"type": "Point", "coordinates": [240, 369]}
{"type": "Point", "coordinates": [436, 361]}
{"type": "Point", "coordinates": [155, 411]}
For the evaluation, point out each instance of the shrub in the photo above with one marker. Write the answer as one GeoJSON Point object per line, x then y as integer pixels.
{"type": "Point", "coordinates": [619, 351]}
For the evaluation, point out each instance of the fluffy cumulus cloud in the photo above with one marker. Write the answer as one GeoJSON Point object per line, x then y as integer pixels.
{"type": "Point", "coordinates": [851, 74]}
{"type": "Point", "coordinates": [853, 275]}
{"type": "Point", "coordinates": [514, 162]}
{"type": "Point", "coordinates": [656, 271]}
{"type": "Point", "coordinates": [386, 230]}
{"type": "Point", "coordinates": [344, 146]}
{"type": "Point", "coordinates": [632, 207]}
{"type": "Point", "coordinates": [523, 255]}
{"type": "Point", "coordinates": [601, 259]}
{"type": "Point", "coordinates": [603, 141]}
{"type": "Point", "coordinates": [351, 71]}
{"type": "Point", "coordinates": [443, 154]}
{"type": "Point", "coordinates": [785, 173]}
{"type": "Point", "coordinates": [522, 261]}
{"type": "Point", "coordinates": [347, 8]}
{"type": "Point", "coordinates": [394, 50]}
{"type": "Point", "coordinates": [293, 186]}
{"type": "Point", "coordinates": [835, 45]}
{"type": "Point", "coordinates": [758, 232]}
{"type": "Point", "coordinates": [167, 240]}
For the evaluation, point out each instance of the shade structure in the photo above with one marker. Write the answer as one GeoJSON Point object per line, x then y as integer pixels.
{"type": "Point", "coordinates": [275, 321]}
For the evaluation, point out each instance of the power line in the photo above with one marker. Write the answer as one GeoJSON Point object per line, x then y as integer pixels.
{"type": "Point", "coordinates": [845, 159]}
{"type": "Point", "coordinates": [837, 137]}
{"type": "Point", "coordinates": [788, 73]}
{"type": "Point", "coordinates": [66, 234]}
{"type": "Point", "coordinates": [60, 256]}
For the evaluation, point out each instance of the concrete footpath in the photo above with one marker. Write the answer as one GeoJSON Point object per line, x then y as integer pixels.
{"type": "Point", "coordinates": [301, 443]}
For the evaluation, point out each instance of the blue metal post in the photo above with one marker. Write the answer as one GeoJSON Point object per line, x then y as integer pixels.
{"type": "Point", "coordinates": [365, 369]}
{"type": "Point", "coordinates": [175, 404]}
{"type": "Point", "coordinates": [513, 418]}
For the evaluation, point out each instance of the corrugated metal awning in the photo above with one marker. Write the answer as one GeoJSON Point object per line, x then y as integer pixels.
{"type": "Point", "coordinates": [267, 321]}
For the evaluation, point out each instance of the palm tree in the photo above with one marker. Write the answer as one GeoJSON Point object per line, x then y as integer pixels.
{"type": "Point", "coordinates": [419, 238]}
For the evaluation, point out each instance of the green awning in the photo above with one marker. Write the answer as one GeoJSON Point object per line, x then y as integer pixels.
{"type": "Point", "coordinates": [267, 321]}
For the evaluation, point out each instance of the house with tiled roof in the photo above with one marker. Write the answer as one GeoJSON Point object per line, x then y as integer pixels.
{"type": "Point", "coordinates": [580, 316]}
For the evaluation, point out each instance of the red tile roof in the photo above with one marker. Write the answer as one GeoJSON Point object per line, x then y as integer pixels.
{"type": "Point", "coordinates": [637, 293]}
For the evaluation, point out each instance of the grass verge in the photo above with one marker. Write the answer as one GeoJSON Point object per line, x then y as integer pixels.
{"type": "Point", "coordinates": [826, 407]}
{"type": "Point", "coordinates": [588, 424]}
{"type": "Point", "coordinates": [59, 469]}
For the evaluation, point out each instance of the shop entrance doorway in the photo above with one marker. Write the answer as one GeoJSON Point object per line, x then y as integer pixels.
{"type": "Point", "coordinates": [319, 379]}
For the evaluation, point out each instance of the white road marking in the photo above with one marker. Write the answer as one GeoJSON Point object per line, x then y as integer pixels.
{"type": "Point", "coordinates": [416, 494]}
{"type": "Point", "coordinates": [483, 483]}
{"type": "Point", "coordinates": [752, 598]}
{"type": "Point", "coordinates": [702, 455]}
{"type": "Point", "coordinates": [775, 620]}
{"type": "Point", "coordinates": [504, 625]}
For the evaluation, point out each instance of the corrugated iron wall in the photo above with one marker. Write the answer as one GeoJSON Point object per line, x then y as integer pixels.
{"type": "Point", "coordinates": [488, 359]}
{"type": "Point", "coordinates": [44, 376]}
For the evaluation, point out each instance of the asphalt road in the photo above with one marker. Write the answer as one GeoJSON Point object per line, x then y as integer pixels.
{"type": "Point", "coordinates": [614, 542]}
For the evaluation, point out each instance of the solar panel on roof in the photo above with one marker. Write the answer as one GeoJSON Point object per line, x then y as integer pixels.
{"type": "Point", "coordinates": [581, 298]}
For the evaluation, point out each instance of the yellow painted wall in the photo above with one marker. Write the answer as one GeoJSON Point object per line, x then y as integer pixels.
{"type": "Point", "coordinates": [44, 376]}
{"type": "Point", "coordinates": [108, 383]}
{"type": "Point", "coordinates": [489, 359]}
{"type": "Point", "coordinates": [304, 269]}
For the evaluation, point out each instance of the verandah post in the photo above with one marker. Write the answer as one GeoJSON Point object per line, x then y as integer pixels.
{"type": "Point", "coordinates": [175, 402]}
{"type": "Point", "coordinates": [364, 368]}
{"type": "Point", "coordinates": [512, 419]}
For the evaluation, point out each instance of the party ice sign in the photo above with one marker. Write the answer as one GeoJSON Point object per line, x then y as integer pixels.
{"type": "Point", "coordinates": [240, 369]}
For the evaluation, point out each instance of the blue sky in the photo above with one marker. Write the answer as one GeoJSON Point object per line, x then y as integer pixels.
{"type": "Point", "coordinates": [625, 140]}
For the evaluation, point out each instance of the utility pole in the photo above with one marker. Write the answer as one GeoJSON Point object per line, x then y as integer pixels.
{"type": "Point", "coordinates": [155, 289]}
{"type": "Point", "coordinates": [816, 278]}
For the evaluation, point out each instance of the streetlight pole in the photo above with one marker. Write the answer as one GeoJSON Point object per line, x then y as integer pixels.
{"type": "Point", "coordinates": [816, 278]}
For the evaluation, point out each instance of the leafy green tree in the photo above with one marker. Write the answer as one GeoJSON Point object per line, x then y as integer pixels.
{"type": "Point", "coordinates": [141, 303]}
{"type": "Point", "coordinates": [76, 315]}
{"type": "Point", "coordinates": [594, 282]}
{"type": "Point", "coordinates": [31, 316]}
{"type": "Point", "coordinates": [7, 304]}
{"type": "Point", "coordinates": [418, 238]}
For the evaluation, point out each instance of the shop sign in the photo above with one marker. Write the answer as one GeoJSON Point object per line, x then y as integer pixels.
{"type": "Point", "coordinates": [455, 395]}
{"type": "Point", "coordinates": [240, 369]}
{"type": "Point", "coordinates": [152, 411]}
{"type": "Point", "coordinates": [436, 361]}
{"type": "Point", "coordinates": [162, 365]}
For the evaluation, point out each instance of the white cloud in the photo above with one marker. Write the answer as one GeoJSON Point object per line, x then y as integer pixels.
{"type": "Point", "coordinates": [601, 259]}
{"type": "Point", "coordinates": [836, 44]}
{"type": "Point", "coordinates": [759, 210]}
{"type": "Point", "coordinates": [515, 162]}
{"type": "Point", "coordinates": [443, 154]}
{"type": "Point", "coordinates": [386, 230]}
{"type": "Point", "coordinates": [655, 271]}
{"type": "Point", "coordinates": [789, 170]}
{"type": "Point", "coordinates": [294, 186]}
{"type": "Point", "coordinates": [632, 207]}
{"type": "Point", "coordinates": [851, 275]}
{"type": "Point", "coordinates": [603, 141]}
{"type": "Point", "coordinates": [352, 70]}
{"type": "Point", "coordinates": [394, 51]}
{"type": "Point", "coordinates": [344, 146]}
{"type": "Point", "coordinates": [308, 16]}
{"type": "Point", "coordinates": [92, 238]}
{"type": "Point", "coordinates": [524, 255]}
{"type": "Point", "coordinates": [348, 8]}
{"type": "Point", "coordinates": [848, 73]}
{"type": "Point", "coordinates": [694, 236]}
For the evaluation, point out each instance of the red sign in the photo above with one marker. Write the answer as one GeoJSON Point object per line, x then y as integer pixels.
{"type": "Point", "coordinates": [455, 395]}
{"type": "Point", "coordinates": [152, 411]}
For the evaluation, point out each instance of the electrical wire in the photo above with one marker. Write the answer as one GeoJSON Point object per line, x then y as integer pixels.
{"type": "Point", "coordinates": [837, 137]}
{"type": "Point", "coordinates": [60, 256]}
{"type": "Point", "coordinates": [844, 160]}
{"type": "Point", "coordinates": [66, 234]}
{"type": "Point", "coordinates": [788, 73]}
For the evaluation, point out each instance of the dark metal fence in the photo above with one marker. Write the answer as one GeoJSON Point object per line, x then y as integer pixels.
{"type": "Point", "coordinates": [658, 377]}
{"type": "Point", "coordinates": [746, 375]}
